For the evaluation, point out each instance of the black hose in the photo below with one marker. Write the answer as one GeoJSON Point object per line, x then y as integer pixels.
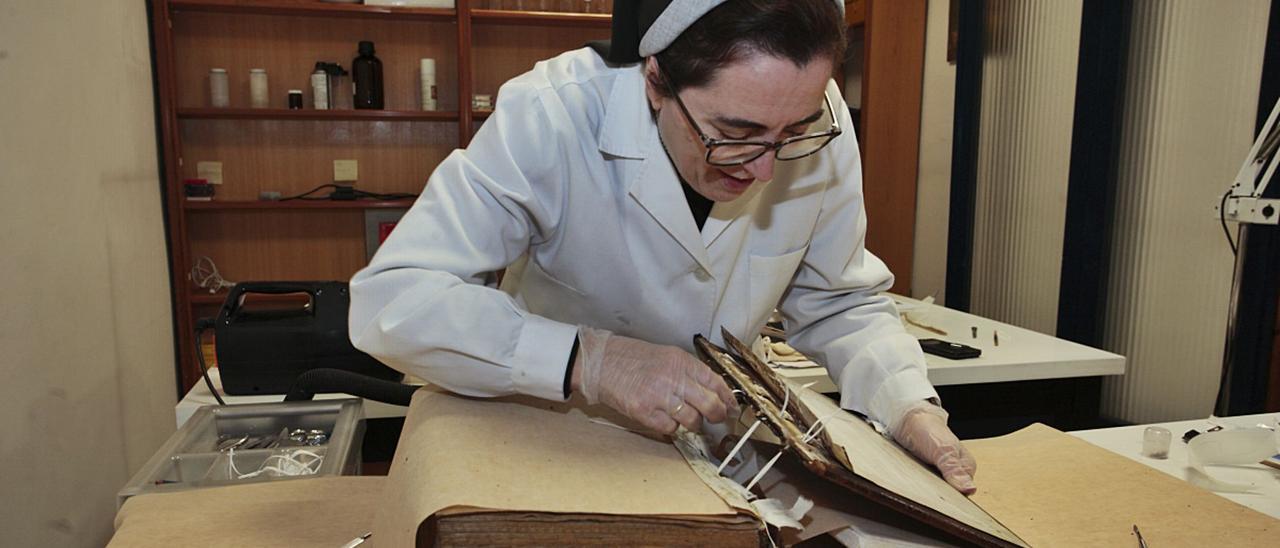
{"type": "Point", "coordinates": [316, 381]}
{"type": "Point", "coordinates": [201, 326]}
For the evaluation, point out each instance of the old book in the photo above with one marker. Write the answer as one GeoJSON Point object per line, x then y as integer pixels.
{"type": "Point", "coordinates": [1037, 486]}
{"type": "Point", "coordinates": [848, 452]}
{"type": "Point", "coordinates": [519, 471]}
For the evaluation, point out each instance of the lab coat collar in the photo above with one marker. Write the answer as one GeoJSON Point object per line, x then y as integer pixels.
{"type": "Point", "coordinates": [656, 187]}
{"type": "Point", "coordinates": [628, 124]}
{"type": "Point", "coordinates": [629, 131]}
{"type": "Point", "coordinates": [724, 213]}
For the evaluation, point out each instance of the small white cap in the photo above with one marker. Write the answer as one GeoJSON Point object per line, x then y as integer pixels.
{"type": "Point", "coordinates": [258, 70]}
{"type": "Point", "coordinates": [298, 91]}
{"type": "Point", "coordinates": [221, 70]}
{"type": "Point", "coordinates": [678, 17]}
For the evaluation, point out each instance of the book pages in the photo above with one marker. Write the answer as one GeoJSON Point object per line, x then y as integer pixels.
{"type": "Point", "coordinates": [872, 456]}
{"type": "Point", "coordinates": [460, 455]}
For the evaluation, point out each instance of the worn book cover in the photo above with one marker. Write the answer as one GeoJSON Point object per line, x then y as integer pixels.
{"type": "Point", "coordinates": [1036, 487]}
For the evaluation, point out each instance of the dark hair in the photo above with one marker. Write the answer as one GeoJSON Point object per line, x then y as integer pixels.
{"type": "Point", "coordinates": [798, 30]}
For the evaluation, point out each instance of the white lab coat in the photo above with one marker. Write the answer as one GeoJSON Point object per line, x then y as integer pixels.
{"type": "Point", "coordinates": [568, 185]}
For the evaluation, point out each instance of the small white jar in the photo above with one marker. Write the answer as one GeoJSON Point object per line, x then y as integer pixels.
{"type": "Point", "coordinates": [219, 94]}
{"type": "Point", "coordinates": [258, 97]}
{"type": "Point", "coordinates": [427, 72]}
{"type": "Point", "coordinates": [320, 90]}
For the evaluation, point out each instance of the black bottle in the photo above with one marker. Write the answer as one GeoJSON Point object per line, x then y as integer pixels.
{"type": "Point", "coordinates": [366, 78]}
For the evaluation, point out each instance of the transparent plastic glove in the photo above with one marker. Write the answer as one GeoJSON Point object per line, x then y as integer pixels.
{"type": "Point", "coordinates": [658, 386]}
{"type": "Point", "coordinates": [922, 429]}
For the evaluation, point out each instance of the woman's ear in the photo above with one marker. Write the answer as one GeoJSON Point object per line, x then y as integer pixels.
{"type": "Point", "coordinates": [653, 83]}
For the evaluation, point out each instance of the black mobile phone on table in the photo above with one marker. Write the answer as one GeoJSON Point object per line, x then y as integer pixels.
{"type": "Point", "coordinates": [948, 349]}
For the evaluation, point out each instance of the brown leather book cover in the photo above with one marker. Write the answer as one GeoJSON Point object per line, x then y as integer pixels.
{"type": "Point", "coordinates": [848, 452]}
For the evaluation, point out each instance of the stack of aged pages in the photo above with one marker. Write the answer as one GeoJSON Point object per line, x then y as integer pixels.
{"type": "Point", "coordinates": [519, 471]}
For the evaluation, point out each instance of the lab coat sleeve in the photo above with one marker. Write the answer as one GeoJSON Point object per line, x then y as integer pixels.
{"type": "Point", "coordinates": [835, 311]}
{"type": "Point", "coordinates": [420, 305]}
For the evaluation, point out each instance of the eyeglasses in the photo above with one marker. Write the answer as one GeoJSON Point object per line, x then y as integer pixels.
{"type": "Point", "coordinates": [735, 152]}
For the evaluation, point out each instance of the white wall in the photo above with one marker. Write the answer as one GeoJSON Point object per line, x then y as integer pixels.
{"type": "Point", "coordinates": [937, 117]}
{"type": "Point", "coordinates": [1190, 106]}
{"type": "Point", "coordinates": [1191, 98]}
{"type": "Point", "coordinates": [86, 358]}
{"type": "Point", "coordinates": [1024, 157]}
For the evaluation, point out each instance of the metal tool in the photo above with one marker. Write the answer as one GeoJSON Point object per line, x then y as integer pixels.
{"type": "Point", "coordinates": [232, 443]}
{"type": "Point", "coordinates": [1141, 543]}
{"type": "Point", "coordinates": [358, 540]}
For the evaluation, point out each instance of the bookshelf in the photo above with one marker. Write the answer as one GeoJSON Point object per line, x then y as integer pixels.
{"type": "Point", "coordinates": [291, 151]}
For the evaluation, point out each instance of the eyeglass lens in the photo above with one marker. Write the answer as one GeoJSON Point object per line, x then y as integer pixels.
{"type": "Point", "coordinates": [737, 153]}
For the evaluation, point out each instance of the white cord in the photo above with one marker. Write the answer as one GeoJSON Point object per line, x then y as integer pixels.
{"type": "Point", "coordinates": [786, 398]}
{"type": "Point", "coordinates": [764, 470]}
{"type": "Point", "coordinates": [808, 436]}
{"type": "Point", "coordinates": [817, 427]}
{"type": "Point", "coordinates": [286, 465]}
{"type": "Point", "coordinates": [205, 274]}
{"type": "Point", "coordinates": [737, 447]}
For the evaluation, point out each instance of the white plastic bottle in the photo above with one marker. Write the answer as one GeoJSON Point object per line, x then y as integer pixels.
{"type": "Point", "coordinates": [219, 95]}
{"type": "Point", "coordinates": [320, 89]}
{"type": "Point", "coordinates": [258, 97]}
{"type": "Point", "coordinates": [428, 76]}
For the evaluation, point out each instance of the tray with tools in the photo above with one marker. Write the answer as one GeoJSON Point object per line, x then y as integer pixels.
{"type": "Point", "coordinates": [233, 444]}
{"type": "Point", "coordinates": [831, 458]}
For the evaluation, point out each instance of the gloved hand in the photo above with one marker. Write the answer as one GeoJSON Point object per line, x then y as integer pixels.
{"type": "Point", "coordinates": [655, 385]}
{"type": "Point", "coordinates": [922, 429]}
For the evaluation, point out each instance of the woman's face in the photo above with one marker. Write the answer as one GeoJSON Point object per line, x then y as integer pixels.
{"type": "Point", "coordinates": [760, 97]}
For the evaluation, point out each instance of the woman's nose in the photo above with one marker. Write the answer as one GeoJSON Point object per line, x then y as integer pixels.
{"type": "Point", "coordinates": [761, 168]}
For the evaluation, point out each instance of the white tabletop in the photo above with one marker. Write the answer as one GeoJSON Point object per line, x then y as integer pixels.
{"type": "Point", "coordinates": [1021, 354]}
{"type": "Point", "coordinates": [199, 396]}
{"type": "Point", "coordinates": [1127, 441]}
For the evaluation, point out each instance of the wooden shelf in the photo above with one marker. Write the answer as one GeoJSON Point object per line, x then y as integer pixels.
{"type": "Point", "coordinates": [476, 51]}
{"type": "Point", "coordinates": [200, 296]}
{"type": "Point", "coordinates": [855, 13]}
{"type": "Point", "coordinates": [204, 297]}
{"type": "Point", "coordinates": [312, 114]}
{"type": "Point", "coordinates": [238, 205]}
{"type": "Point", "coordinates": [542, 18]}
{"type": "Point", "coordinates": [311, 9]}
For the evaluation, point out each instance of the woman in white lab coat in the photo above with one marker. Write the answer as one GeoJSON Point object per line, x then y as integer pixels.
{"type": "Point", "coordinates": [702, 175]}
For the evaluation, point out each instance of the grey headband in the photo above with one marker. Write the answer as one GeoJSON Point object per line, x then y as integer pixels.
{"type": "Point", "coordinates": [677, 17]}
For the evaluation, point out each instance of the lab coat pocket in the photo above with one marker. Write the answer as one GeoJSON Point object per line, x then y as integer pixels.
{"type": "Point", "coordinates": [770, 277]}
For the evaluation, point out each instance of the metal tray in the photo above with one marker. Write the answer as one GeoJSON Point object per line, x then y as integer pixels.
{"type": "Point", "coordinates": [191, 457]}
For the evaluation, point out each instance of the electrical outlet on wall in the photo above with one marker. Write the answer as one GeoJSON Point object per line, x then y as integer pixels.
{"type": "Point", "coordinates": [378, 224]}
{"type": "Point", "coordinates": [345, 171]}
